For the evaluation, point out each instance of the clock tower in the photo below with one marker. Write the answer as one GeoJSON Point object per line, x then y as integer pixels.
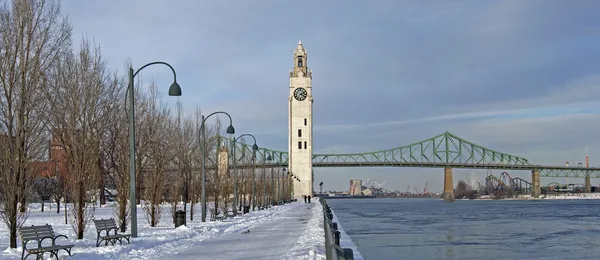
{"type": "Point", "coordinates": [300, 124]}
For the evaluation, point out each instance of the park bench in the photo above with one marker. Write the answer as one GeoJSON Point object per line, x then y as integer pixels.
{"type": "Point", "coordinates": [220, 217]}
{"type": "Point", "coordinates": [39, 234]}
{"type": "Point", "coordinates": [223, 216]}
{"type": "Point", "coordinates": [107, 225]}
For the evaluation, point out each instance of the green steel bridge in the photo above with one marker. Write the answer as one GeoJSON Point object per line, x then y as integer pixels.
{"type": "Point", "coordinates": [442, 151]}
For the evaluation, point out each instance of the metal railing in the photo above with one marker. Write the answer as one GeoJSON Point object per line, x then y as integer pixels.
{"type": "Point", "coordinates": [332, 237]}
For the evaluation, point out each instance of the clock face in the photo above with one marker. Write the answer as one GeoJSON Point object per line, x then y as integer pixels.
{"type": "Point", "coordinates": [300, 94]}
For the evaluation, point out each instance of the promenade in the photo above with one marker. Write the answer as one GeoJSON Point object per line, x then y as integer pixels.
{"type": "Point", "coordinates": [295, 233]}
{"type": "Point", "coordinates": [290, 231]}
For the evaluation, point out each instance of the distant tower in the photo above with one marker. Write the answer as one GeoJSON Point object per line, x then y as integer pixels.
{"type": "Point", "coordinates": [567, 178]}
{"type": "Point", "coordinates": [587, 159]}
{"type": "Point", "coordinates": [300, 123]}
{"type": "Point", "coordinates": [223, 159]}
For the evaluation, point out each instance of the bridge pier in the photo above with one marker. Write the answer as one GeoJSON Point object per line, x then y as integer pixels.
{"type": "Point", "coordinates": [588, 184]}
{"type": "Point", "coordinates": [535, 183]}
{"type": "Point", "coordinates": [448, 185]}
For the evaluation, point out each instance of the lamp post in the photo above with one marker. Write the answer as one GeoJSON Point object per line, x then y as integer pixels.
{"type": "Point", "coordinates": [174, 90]}
{"type": "Point", "coordinates": [264, 181]}
{"type": "Point", "coordinates": [274, 185]}
{"type": "Point", "coordinates": [253, 181]}
{"type": "Point", "coordinates": [254, 148]}
{"type": "Point", "coordinates": [321, 188]}
{"type": "Point", "coordinates": [283, 181]}
{"type": "Point", "coordinates": [230, 130]}
{"type": "Point", "coordinates": [283, 171]}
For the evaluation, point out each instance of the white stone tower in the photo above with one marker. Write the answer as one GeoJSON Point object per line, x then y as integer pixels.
{"type": "Point", "coordinates": [300, 124]}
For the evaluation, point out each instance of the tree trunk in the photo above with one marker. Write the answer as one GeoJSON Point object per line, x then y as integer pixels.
{"type": "Point", "coordinates": [123, 220]}
{"type": "Point", "coordinates": [23, 203]}
{"type": "Point", "coordinates": [192, 210]}
{"type": "Point", "coordinates": [80, 212]}
{"type": "Point", "coordinates": [185, 194]}
{"type": "Point", "coordinates": [102, 183]}
{"type": "Point", "coordinates": [42, 204]}
{"type": "Point", "coordinates": [13, 223]}
{"type": "Point", "coordinates": [138, 186]}
{"type": "Point", "coordinates": [152, 215]}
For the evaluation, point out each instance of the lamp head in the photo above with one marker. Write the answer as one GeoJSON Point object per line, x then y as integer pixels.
{"type": "Point", "coordinates": [175, 89]}
{"type": "Point", "coordinates": [255, 148]}
{"type": "Point", "coordinates": [230, 130]}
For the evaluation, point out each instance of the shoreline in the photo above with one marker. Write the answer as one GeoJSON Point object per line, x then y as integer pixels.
{"type": "Point", "coordinates": [566, 196]}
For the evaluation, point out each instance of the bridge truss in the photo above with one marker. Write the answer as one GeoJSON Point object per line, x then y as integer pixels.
{"type": "Point", "coordinates": [441, 151]}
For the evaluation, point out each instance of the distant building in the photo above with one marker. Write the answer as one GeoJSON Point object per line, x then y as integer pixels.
{"type": "Point", "coordinates": [223, 162]}
{"type": "Point", "coordinates": [355, 187]}
{"type": "Point", "coordinates": [367, 192]}
{"type": "Point", "coordinates": [38, 168]}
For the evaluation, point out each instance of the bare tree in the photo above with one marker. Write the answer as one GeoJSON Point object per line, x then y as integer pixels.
{"type": "Point", "coordinates": [173, 193]}
{"type": "Point", "coordinates": [33, 35]}
{"type": "Point", "coordinates": [185, 149]}
{"type": "Point", "coordinates": [43, 187]}
{"type": "Point", "coordinates": [58, 191]}
{"type": "Point", "coordinates": [115, 147]}
{"type": "Point", "coordinates": [80, 97]}
{"type": "Point", "coordinates": [160, 153]}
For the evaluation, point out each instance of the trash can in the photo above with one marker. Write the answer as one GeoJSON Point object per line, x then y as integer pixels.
{"type": "Point", "coordinates": [246, 209]}
{"type": "Point", "coordinates": [179, 218]}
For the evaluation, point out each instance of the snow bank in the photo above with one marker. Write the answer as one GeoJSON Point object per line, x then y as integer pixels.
{"type": "Point", "coordinates": [572, 196]}
{"type": "Point", "coordinates": [564, 196]}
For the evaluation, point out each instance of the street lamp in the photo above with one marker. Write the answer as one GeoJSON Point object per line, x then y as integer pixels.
{"type": "Point", "coordinates": [320, 188]}
{"type": "Point", "coordinates": [283, 171]}
{"type": "Point", "coordinates": [230, 130]}
{"type": "Point", "coordinates": [254, 148]}
{"type": "Point", "coordinates": [264, 181]}
{"type": "Point", "coordinates": [253, 180]}
{"type": "Point", "coordinates": [174, 90]}
{"type": "Point", "coordinates": [272, 199]}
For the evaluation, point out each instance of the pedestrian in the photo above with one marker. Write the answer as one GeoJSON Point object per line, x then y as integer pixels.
{"type": "Point", "coordinates": [304, 198]}
{"type": "Point", "coordinates": [308, 198]}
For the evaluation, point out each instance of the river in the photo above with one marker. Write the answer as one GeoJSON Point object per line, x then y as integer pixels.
{"type": "Point", "coordinates": [419, 229]}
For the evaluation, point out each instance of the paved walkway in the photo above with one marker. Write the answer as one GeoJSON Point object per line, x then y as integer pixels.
{"type": "Point", "coordinates": [292, 234]}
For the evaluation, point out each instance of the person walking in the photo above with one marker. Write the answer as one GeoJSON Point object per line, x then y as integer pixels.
{"type": "Point", "coordinates": [304, 198]}
{"type": "Point", "coordinates": [308, 198]}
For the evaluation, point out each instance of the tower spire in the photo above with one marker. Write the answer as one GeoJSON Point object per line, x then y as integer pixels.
{"type": "Point", "coordinates": [587, 159]}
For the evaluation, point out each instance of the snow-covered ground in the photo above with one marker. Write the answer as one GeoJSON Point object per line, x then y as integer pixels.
{"type": "Point", "coordinates": [564, 196]}
{"type": "Point", "coordinates": [572, 196]}
{"type": "Point", "coordinates": [296, 233]}
{"type": "Point", "coordinates": [291, 231]}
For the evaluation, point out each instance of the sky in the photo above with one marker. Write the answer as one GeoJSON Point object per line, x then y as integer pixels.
{"type": "Point", "coordinates": [520, 77]}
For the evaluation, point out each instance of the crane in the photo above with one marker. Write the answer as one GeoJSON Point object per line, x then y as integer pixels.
{"type": "Point", "coordinates": [425, 189]}
{"type": "Point", "coordinates": [416, 191]}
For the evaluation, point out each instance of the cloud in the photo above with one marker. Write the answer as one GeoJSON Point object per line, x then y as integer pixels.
{"type": "Point", "coordinates": [517, 76]}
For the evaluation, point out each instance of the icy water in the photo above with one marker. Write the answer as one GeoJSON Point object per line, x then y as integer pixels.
{"type": "Point", "coordinates": [419, 229]}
